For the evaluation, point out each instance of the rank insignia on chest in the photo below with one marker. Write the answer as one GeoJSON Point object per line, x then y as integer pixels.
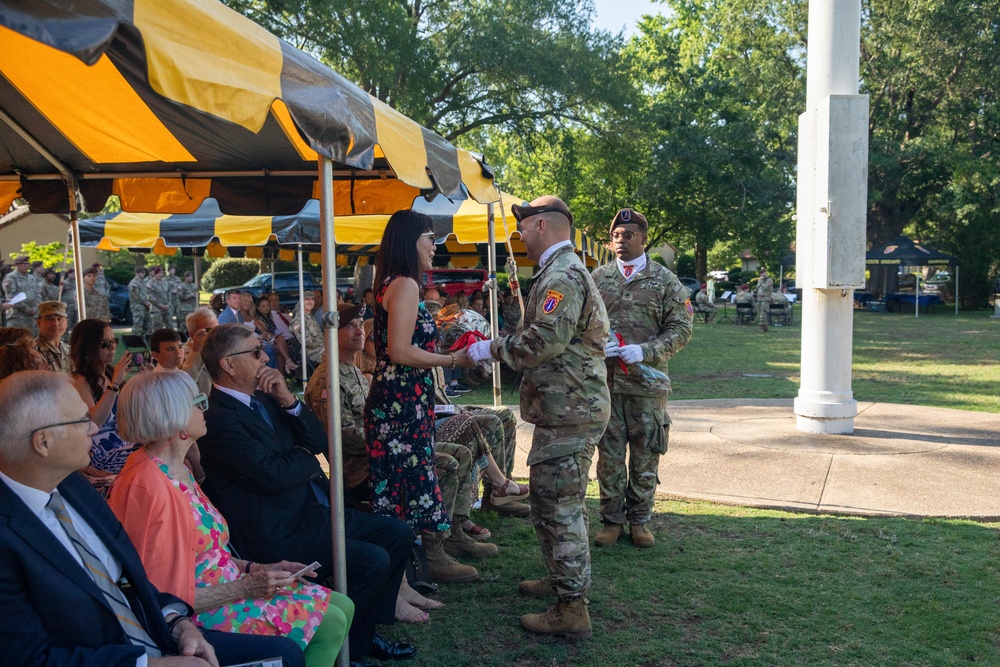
{"type": "Point", "coordinates": [688, 307]}
{"type": "Point", "coordinates": [552, 299]}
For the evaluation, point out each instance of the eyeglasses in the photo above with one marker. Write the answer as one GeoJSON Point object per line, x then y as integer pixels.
{"type": "Point", "coordinates": [82, 420]}
{"type": "Point", "coordinates": [256, 352]}
{"type": "Point", "coordinates": [430, 235]}
{"type": "Point", "coordinates": [200, 401]}
{"type": "Point", "coordinates": [111, 342]}
{"type": "Point", "coordinates": [626, 236]}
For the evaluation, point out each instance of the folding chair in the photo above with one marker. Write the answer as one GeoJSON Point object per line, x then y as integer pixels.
{"type": "Point", "coordinates": [744, 313]}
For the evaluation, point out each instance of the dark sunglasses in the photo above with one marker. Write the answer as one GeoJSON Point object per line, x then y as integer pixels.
{"type": "Point", "coordinates": [256, 352]}
{"type": "Point", "coordinates": [111, 342]}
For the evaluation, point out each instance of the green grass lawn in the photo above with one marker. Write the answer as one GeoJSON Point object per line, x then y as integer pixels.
{"type": "Point", "coordinates": [735, 586]}
{"type": "Point", "coordinates": [940, 360]}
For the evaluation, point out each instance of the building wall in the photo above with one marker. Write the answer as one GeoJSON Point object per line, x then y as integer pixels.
{"type": "Point", "coordinates": [18, 228]}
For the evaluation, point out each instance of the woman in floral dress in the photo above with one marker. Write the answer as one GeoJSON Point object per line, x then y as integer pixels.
{"type": "Point", "coordinates": [92, 347]}
{"type": "Point", "coordinates": [172, 523]}
{"type": "Point", "coordinates": [399, 412]}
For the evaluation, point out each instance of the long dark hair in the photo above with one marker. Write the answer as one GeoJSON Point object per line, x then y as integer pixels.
{"type": "Point", "coordinates": [84, 346]}
{"type": "Point", "coordinates": [398, 252]}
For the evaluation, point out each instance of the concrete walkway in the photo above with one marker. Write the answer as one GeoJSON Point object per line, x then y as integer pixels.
{"type": "Point", "coordinates": [900, 460]}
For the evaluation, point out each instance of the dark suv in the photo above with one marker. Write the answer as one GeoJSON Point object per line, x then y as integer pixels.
{"type": "Point", "coordinates": [286, 284]}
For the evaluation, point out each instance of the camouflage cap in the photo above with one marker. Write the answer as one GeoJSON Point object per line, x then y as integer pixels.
{"type": "Point", "coordinates": [22, 259]}
{"type": "Point", "coordinates": [46, 308]}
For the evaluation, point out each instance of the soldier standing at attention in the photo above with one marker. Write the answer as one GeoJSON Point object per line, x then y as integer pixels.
{"type": "Point", "coordinates": [173, 282]}
{"type": "Point", "coordinates": [95, 302]}
{"type": "Point", "coordinates": [139, 303]}
{"type": "Point", "coordinates": [158, 290]}
{"type": "Point", "coordinates": [559, 347]}
{"type": "Point", "coordinates": [187, 300]}
{"type": "Point", "coordinates": [23, 313]}
{"type": "Point", "coordinates": [651, 310]}
{"type": "Point", "coordinates": [765, 290]}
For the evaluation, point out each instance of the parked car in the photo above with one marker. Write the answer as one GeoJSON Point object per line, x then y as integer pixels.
{"type": "Point", "coordinates": [286, 284]}
{"type": "Point", "coordinates": [453, 281]}
{"type": "Point", "coordinates": [693, 285]}
{"type": "Point", "coordinates": [121, 309]}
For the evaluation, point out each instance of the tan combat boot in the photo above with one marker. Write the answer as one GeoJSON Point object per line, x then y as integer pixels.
{"type": "Point", "coordinates": [609, 534]}
{"type": "Point", "coordinates": [443, 567]}
{"type": "Point", "coordinates": [641, 535]}
{"type": "Point", "coordinates": [461, 545]}
{"type": "Point", "coordinates": [568, 618]}
{"type": "Point", "coordinates": [536, 588]}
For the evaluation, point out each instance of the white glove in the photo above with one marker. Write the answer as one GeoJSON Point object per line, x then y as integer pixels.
{"type": "Point", "coordinates": [612, 349]}
{"type": "Point", "coordinates": [480, 352]}
{"type": "Point", "coordinates": [630, 354]}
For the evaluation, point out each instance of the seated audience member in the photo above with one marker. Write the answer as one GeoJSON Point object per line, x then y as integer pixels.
{"type": "Point", "coordinates": [18, 352]}
{"type": "Point", "coordinates": [166, 348]}
{"type": "Point", "coordinates": [52, 323]}
{"type": "Point", "coordinates": [231, 312]}
{"type": "Point", "coordinates": [62, 552]}
{"type": "Point", "coordinates": [477, 304]}
{"type": "Point", "coordinates": [183, 540]}
{"type": "Point", "coordinates": [315, 344]}
{"type": "Point", "coordinates": [704, 304]}
{"type": "Point", "coordinates": [368, 298]}
{"type": "Point", "coordinates": [268, 331]}
{"type": "Point", "coordinates": [432, 301]}
{"type": "Point", "coordinates": [199, 323]}
{"type": "Point", "coordinates": [452, 464]}
{"type": "Point", "coordinates": [259, 453]}
{"type": "Point", "coordinates": [92, 349]}
{"type": "Point", "coordinates": [217, 303]}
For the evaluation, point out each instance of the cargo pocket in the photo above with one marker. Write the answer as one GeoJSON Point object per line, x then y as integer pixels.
{"type": "Point", "coordinates": [662, 434]}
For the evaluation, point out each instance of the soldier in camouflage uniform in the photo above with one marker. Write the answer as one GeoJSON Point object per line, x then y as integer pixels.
{"type": "Point", "coordinates": [96, 303]}
{"type": "Point", "coordinates": [50, 287]}
{"type": "Point", "coordinates": [69, 298]}
{"type": "Point", "coordinates": [453, 462]}
{"type": "Point", "coordinates": [51, 328]}
{"type": "Point", "coordinates": [651, 310]}
{"type": "Point", "coordinates": [19, 280]}
{"type": "Point", "coordinates": [559, 347]}
{"type": "Point", "coordinates": [138, 299]}
{"type": "Point", "coordinates": [158, 291]}
{"type": "Point", "coordinates": [187, 300]}
{"type": "Point", "coordinates": [315, 343]}
{"type": "Point", "coordinates": [101, 282]}
{"type": "Point", "coordinates": [765, 291]}
{"type": "Point", "coordinates": [173, 283]}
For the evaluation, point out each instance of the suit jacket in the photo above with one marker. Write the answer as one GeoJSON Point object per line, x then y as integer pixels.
{"type": "Point", "coordinates": [262, 480]}
{"type": "Point", "coordinates": [51, 611]}
{"type": "Point", "coordinates": [227, 316]}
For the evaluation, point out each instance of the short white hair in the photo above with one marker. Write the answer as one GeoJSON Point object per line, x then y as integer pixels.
{"type": "Point", "coordinates": [199, 316]}
{"type": "Point", "coordinates": [27, 402]}
{"type": "Point", "coordinates": [155, 406]}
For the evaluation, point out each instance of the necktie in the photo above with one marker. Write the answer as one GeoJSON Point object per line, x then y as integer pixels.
{"type": "Point", "coordinates": [261, 409]}
{"type": "Point", "coordinates": [116, 599]}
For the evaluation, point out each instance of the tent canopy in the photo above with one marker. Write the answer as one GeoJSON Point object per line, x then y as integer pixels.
{"type": "Point", "coordinates": [168, 103]}
{"type": "Point", "coordinates": [902, 251]}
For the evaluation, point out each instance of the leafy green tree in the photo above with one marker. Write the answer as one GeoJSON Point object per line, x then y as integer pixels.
{"type": "Point", "coordinates": [51, 254]}
{"type": "Point", "coordinates": [457, 65]}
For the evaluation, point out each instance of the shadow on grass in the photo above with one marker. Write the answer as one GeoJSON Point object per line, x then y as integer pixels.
{"type": "Point", "coordinates": [735, 586]}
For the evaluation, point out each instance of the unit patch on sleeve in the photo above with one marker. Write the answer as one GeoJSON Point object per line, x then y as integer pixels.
{"type": "Point", "coordinates": [552, 299]}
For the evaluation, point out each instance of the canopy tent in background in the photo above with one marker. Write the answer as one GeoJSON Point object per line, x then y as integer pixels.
{"type": "Point", "coordinates": [461, 230]}
{"type": "Point", "coordinates": [902, 251]}
{"type": "Point", "coordinates": [167, 103]}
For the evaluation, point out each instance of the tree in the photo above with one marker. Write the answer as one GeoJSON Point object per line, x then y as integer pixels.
{"type": "Point", "coordinates": [458, 65]}
{"type": "Point", "coordinates": [50, 255]}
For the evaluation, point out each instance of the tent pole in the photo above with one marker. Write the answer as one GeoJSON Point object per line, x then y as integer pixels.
{"type": "Point", "coordinates": [197, 276]}
{"type": "Point", "coordinates": [74, 226]}
{"type": "Point", "coordinates": [302, 329]}
{"type": "Point", "coordinates": [956, 288]}
{"type": "Point", "coordinates": [916, 302]}
{"type": "Point", "coordinates": [491, 255]}
{"type": "Point", "coordinates": [330, 327]}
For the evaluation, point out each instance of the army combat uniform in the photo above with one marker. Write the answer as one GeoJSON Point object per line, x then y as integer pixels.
{"type": "Point", "coordinates": [158, 290]}
{"type": "Point", "coordinates": [23, 314]}
{"type": "Point", "coordinates": [765, 292]}
{"type": "Point", "coordinates": [559, 346]}
{"type": "Point", "coordinates": [173, 283]}
{"type": "Point", "coordinates": [187, 302]}
{"type": "Point", "coordinates": [652, 310]}
{"type": "Point", "coordinates": [96, 304]}
{"type": "Point", "coordinates": [138, 298]}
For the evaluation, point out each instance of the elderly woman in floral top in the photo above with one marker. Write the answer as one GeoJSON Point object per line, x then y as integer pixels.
{"type": "Point", "coordinates": [171, 522]}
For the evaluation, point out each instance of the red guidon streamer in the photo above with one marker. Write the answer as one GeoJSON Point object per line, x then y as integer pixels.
{"type": "Point", "coordinates": [467, 339]}
{"type": "Point", "coordinates": [621, 343]}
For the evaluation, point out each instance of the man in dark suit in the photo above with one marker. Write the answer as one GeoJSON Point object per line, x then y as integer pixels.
{"type": "Point", "coordinates": [72, 588]}
{"type": "Point", "coordinates": [262, 473]}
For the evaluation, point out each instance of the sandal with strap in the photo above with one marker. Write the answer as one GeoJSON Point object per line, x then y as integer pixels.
{"type": "Point", "coordinates": [504, 496]}
{"type": "Point", "coordinates": [475, 531]}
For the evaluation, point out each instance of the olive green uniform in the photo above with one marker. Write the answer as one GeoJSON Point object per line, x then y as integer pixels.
{"type": "Point", "coordinates": [559, 347]}
{"type": "Point", "coordinates": [651, 310]}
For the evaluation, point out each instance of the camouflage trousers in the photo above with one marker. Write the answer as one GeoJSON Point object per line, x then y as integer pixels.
{"type": "Point", "coordinates": [764, 313]}
{"type": "Point", "coordinates": [558, 512]}
{"type": "Point", "coordinates": [140, 320]}
{"type": "Point", "coordinates": [641, 425]}
{"type": "Point", "coordinates": [499, 426]}
{"type": "Point", "coordinates": [454, 471]}
{"type": "Point", "coordinates": [159, 319]}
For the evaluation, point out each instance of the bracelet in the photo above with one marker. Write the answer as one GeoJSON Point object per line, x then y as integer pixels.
{"type": "Point", "coordinates": [294, 404]}
{"type": "Point", "coordinates": [172, 623]}
{"type": "Point", "coordinates": [115, 387]}
{"type": "Point", "coordinates": [452, 360]}
{"type": "Point", "coordinates": [246, 570]}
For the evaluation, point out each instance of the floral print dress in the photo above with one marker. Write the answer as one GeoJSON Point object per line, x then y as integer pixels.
{"type": "Point", "coordinates": [294, 613]}
{"type": "Point", "coordinates": [399, 428]}
{"type": "Point", "coordinates": [108, 451]}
